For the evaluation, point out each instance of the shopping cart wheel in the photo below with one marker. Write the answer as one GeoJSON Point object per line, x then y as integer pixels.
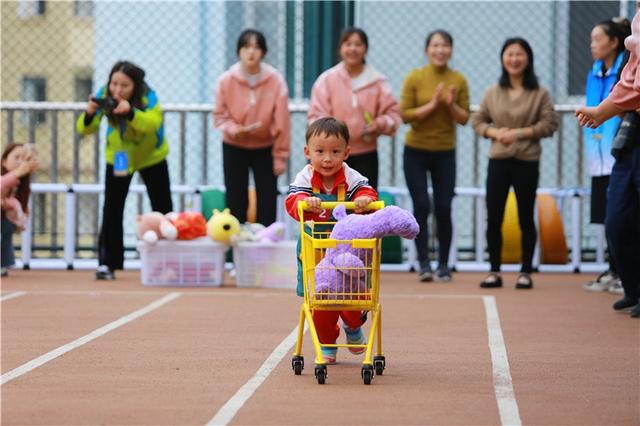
{"type": "Point", "coordinates": [367, 374]}
{"type": "Point", "coordinates": [379, 364]}
{"type": "Point", "coordinates": [297, 363]}
{"type": "Point", "coordinates": [321, 373]}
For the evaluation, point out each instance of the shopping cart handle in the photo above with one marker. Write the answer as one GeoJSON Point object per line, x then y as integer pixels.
{"type": "Point", "coordinates": [349, 205]}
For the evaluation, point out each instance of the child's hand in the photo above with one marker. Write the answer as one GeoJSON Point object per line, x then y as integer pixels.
{"type": "Point", "coordinates": [313, 205]}
{"type": "Point", "coordinates": [361, 203]}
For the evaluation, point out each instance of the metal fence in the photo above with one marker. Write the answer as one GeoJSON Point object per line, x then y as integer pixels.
{"type": "Point", "coordinates": [196, 164]}
{"type": "Point", "coordinates": [60, 52]}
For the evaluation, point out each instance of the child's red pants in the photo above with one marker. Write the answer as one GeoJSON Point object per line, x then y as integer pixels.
{"type": "Point", "coordinates": [326, 323]}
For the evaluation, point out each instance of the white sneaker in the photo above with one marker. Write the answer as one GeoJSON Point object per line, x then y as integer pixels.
{"type": "Point", "coordinates": [602, 283]}
{"type": "Point", "coordinates": [616, 287]}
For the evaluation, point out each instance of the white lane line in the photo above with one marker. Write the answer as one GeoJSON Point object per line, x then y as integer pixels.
{"type": "Point", "coordinates": [505, 396]}
{"type": "Point", "coordinates": [35, 363]}
{"type": "Point", "coordinates": [12, 295]}
{"type": "Point", "coordinates": [228, 411]}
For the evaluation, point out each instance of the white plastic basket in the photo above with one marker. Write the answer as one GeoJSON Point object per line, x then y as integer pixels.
{"type": "Point", "coordinates": [198, 262]}
{"type": "Point", "coordinates": [271, 265]}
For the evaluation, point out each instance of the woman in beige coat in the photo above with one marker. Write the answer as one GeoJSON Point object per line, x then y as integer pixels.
{"type": "Point", "coordinates": [515, 114]}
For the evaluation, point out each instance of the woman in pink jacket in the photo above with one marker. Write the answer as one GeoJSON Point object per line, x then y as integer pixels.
{"type": "Point", "coordinates": [18, 162]}
{"type": "Point", "coordinates": [354, 92]}
{"type": "Point", "coordinates": [252, 111]}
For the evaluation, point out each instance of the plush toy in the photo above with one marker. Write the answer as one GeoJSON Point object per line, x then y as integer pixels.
{"type": "Point", "coordinates": [190, 225]}
{"type": "Point", "coordinates": [247, 233]}
{"type": "Point", "coordinates": [255, 232]}
{"type": "Point", "coordinates": [272, 233]}
{"type": "Point", "coordinates": [222, 226]}
{"type": "Point", "coordinates": [154, 225]}
{"type": "Point", "coordinates": [343, 269]}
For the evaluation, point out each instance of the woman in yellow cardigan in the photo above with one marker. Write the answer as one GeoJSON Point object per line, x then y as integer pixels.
{"type": "Point", "coordinates": [434, 100]}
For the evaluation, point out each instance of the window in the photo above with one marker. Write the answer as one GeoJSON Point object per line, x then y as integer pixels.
{"type": "Point", "coordinates": [83, 8]}
{"type": "Point", "coordinates": [583, 16]}
{"type": "Point", "coordinates": [82, 88]}
{"type": "Point", "coordinates": [31, 8]}
{"type": "Point", "coordinates": [34, 89]}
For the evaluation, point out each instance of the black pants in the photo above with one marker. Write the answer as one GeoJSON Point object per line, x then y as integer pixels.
{"type": "Point", "coordinates": [367, 165]}
{"type": "Point", "coordinates": [442, 167]}
{"type": "Point", "coordinates": [8, 257]}
{"type": "Point", "coordinates": [623, 219]}
{"type": "Point", "coordinates": [111, 240]}
{"type": "Point", "coordinates": [523, 175]}
{"type": "Point", "coordinates": [599, 185]}
{"type": "Point", "coordinates": [237, 162]}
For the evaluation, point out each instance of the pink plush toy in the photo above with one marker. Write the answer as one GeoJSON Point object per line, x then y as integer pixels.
{"type": "Point", "coordinates": [154, 225]}
{"type": "Point", "coordinates": [343, 269]}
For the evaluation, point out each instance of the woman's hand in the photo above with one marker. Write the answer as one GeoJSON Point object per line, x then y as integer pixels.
{"type": "Point", "coordinates": [361, 203]}
{"type": "Point", "coordinates": [279, 169]}
{"type": "Point", "coordinates": [123, 107]}
{"type": "Point", "coordinates": [507, 136]}
{"type": "Point", "coordinates": [589, 117]}
{"type": "Point", "coordinates": [451, 96]}
{"type": "Point", "coordinates": [92, 107]}
{"type": "Point", "coordinates": [371, 129]}
{"type": "Point", "coordinates": [427, 109]}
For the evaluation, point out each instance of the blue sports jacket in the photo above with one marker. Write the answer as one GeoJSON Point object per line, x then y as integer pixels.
{"type": "Point", "coordinates": [598, 141]}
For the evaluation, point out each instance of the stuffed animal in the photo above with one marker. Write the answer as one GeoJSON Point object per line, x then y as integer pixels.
{"type": "Point", "coordinates": [344, 268]}
{"type": "Point", "coordinates": [272, 233]}
{"type": "Point", "coordinates": [255, 232]}
{"type": "Point", "coordinates": [247, 233]}
{"type": "Point", "coordinates": [222, 226]}
{"type": "Point", "coordinates": [190, 225]}
{"type": "Point", "coordinates": [154, 225]}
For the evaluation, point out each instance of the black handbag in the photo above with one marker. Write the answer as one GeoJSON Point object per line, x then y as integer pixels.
{"type": "Point", "coordinates": [628, 135]}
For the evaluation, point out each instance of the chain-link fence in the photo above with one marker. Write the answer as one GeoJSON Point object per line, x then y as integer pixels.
{"type": "Point", "coordinates": [60, 52]}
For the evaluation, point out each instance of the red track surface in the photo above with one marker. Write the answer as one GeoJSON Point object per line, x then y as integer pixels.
{"type": "Point", "coordinates": [573, 360]}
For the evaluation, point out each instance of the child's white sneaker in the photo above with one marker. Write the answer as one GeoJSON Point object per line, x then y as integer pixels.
{"type": "Point", "coordinates": [355, 337]}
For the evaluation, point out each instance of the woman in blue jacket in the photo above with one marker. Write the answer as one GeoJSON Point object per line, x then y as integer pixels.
{"type": "Point", "coordinates": [607, 48]}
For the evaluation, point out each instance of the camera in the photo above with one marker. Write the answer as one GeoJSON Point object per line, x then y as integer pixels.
{"type": "Point", "coordinates": [628, 135]}
{"type": "Point", "coordinates": [107, 104]}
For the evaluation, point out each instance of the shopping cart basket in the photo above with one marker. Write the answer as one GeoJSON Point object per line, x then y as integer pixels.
{"type": "Point", "coordinates": [355, 288]}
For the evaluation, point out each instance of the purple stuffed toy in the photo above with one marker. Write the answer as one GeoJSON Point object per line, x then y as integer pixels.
{"type": "Point", "coordinates": [345, 269]}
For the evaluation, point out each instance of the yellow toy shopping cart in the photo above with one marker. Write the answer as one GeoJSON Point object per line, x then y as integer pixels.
{"type": "Point", "coordinates": [354, 287]}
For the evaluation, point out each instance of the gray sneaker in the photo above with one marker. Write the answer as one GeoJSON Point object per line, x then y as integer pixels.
{"type": "Point", "coordinates": [425, 272]}
{"type": "Point", "coordinates": [602, 283]}
{"type": "Point", "coordinates": [443, 274]}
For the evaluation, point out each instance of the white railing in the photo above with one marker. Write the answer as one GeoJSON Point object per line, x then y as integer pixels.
{"type": "Point", "coordinates": [70, 192]}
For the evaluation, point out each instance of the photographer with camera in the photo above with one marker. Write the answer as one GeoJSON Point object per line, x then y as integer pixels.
{"type": "Point", "coordinates": [135, 142]}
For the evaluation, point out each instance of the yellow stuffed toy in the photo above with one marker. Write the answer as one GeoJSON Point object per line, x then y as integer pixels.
{"type": "Point", "coordinates": [222, 226]}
